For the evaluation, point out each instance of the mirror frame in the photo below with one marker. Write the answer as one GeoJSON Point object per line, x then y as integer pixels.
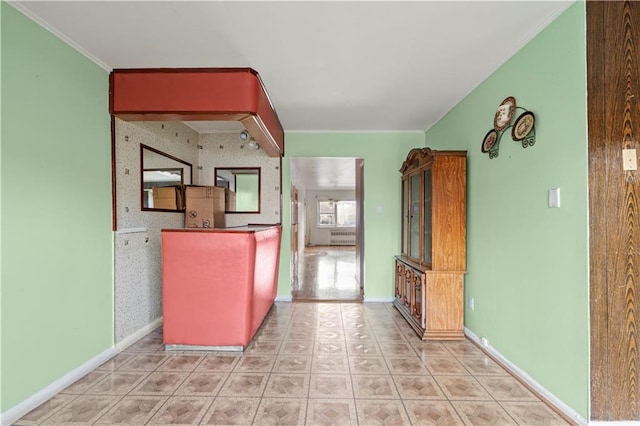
{"type": "Point", "coordinates": [142, 170]}
{"type": "Point", "coordinates": [259, 173]}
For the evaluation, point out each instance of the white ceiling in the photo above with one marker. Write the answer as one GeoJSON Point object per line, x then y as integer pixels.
{"type": "Point", "coordinates": [349, 66]}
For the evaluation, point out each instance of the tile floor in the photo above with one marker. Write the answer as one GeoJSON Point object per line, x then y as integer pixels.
{"type": "Point", "coordinates": [326, 273]}
{"type": "Point", "coordinates": [309, 364]}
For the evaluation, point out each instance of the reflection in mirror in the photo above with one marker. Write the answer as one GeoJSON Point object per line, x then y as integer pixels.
{"type": "Point", "coordinates": [242, 184]}
{"type": "Point", "coordinates": [161, 180]}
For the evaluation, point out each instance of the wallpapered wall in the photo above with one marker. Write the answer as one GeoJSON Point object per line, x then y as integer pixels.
{"type": "Point", "coordinates": [225, 150]}
{"type": "Point", "coordinates": [138, 273]}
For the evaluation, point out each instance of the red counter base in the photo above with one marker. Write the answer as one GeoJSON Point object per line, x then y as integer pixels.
{"type": "Point", "coordinates": [217, 285]}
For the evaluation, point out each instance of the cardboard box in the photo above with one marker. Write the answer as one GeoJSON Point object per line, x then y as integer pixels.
{"type": "Point", "coordinates": [204, 207]}
{"type": "Point", "coordinates": [165, 197]}
{"type": "Point", "coordinates": [229, 200]}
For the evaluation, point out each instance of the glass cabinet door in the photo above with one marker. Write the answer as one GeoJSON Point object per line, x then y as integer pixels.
{"type": "Point", "coordinates": [427, 217]}
{"type": "Point", "coordinates": [405, 216]}
{"type": "Point", "coordinates": [414, 224]}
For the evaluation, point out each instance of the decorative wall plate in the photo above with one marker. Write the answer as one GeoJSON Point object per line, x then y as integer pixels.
{"type": "Point", "coordinates": [504, 114]}
{"type": "Point", "coordinates": [523, 126]}
{"type": "Point", "coordinates": [489, 141]}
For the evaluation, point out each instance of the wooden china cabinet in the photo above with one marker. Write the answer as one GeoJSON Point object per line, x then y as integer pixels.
{"type": "Point", "coordinates": [429, 274]}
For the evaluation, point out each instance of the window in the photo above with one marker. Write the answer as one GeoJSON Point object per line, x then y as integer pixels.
{"type": "Point", "coordinates": [337, 213]}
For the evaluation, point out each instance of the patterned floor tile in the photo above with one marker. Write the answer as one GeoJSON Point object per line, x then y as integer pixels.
{"type": "Point", "coordinates": [297, 347]}
{"type": "Point", "coordinates": [396, 348]}
{"type": "Point", "coordinates": [309, 363]}
{"type": "Point", "coordinates": [335, 412]}
{"type": "Point", "coordinates": [217, 363]}
{"type": "Point", "coordinates": [406, 365]}
{"type": "Point", "coordinates": [117, 383]}
{"type": "Point", "coordinates": [323, 334]}
{"type": "Point", "coordinates": [181, 362]}
{"type": "Point", "coordinates": [300, 335]}
{"type": "Point", "coordinates": [85, 409]}
{"type": "Point", "coordinates": [292, 364]}
{"type": "Point", "coordinates": [116, 362]}
{"type": "Point", "coordinates": [358, 335]}
{"type": "Point", "coordinates": [429, 348]}
{"type": "Point", "coordinates": [287, 386]}
{"type": "Point", "coordinates": [506, 388]}
{"type": "Point", "coordinates": [50, 407]}
{"type": "Point", "coordinates": [329, 364]}
{"type": "Point", "coordinates": [83, 384]}
{"type": "Point", "coordinates": [160, 383]}
{"type": "Point", "coordinates": [441, 366]}
{"type": "Point", "coordinates": [202, 384]}
{"type": "Point", "coordinates": [133, 410]}
{"type": "Point", "coordinates": [254, 363]}
{"type": "Point", "coordinates": [244, 384]}
{"type": "Point", "coordinates": [533, 413]}
{"type": "Point", "coordinates": [374, 387]}
{"type": "Point", "coordinates": [331, 347]}
{"type": "Point", "coordinates": [463, 348]}
{"type": "Point", "coordinates": [430, 413]}
{"type": "Point", "coordinates": [281, 411]}
{"type": "Point", "coordinates": [330, 386]}
{"type": "Point", "coordinates": [367, 365]}
{"type": "Point", "coordinates": [365, 347]}
{"type": "Point", "coordinates": [231, 411]}
{"type": "Point", "coordinates": [378, 412]}
{"type": "Point", "coordinates": [483, 366]}
{"type": "Point", "coordinates": [418, 387]}
{"type": "Point", "coordinates": [483, 413]}
{"type": "Point", "coordinates": [181, 411]}
{"type": "Point", "coordinates": [462, 388]}
{"type": "Point", "coordinates": [144, 362]}
{"type": "Point", "coordinates": [258, 347]}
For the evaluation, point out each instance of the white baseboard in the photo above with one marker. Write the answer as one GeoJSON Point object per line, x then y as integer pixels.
{"type": "Point", "coordinates": [522, 375]}
{"type": "Point", "coordinates": [42, 396]}
{"type": "Point", "coordinates": [283, 299]}
{"type": "Point", "coordinates": [378, 299]}
{"type": "Point", "coordinates": [620, 423]}
{"type": "Point", "coordinates": [134, 337]}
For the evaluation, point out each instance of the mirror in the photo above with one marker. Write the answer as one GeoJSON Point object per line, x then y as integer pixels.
{"type": "Point", "coordinates": [161, 180]}
{"type": "Point", "coordinates": [242, 186]}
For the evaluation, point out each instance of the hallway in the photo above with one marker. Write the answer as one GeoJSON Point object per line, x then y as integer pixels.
{"type": "Point", "coordinates": [310, 363]}
{"type": "Point", "coordinates": [327, 273]}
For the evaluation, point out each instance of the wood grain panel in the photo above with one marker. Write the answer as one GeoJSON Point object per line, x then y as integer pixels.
{"type": "Point", "coordinates": [450, 235]}
{"type": "Point", "coordinates": [614, 124]}
{"type": "Point", "coordinates": [444, 298]}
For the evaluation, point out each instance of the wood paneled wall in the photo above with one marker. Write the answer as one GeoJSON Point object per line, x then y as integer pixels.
{"type": "Point", "coordinates": [613, 75]}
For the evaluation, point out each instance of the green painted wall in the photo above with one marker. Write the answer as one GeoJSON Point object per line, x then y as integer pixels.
{"type": "Point", "coordinates": [383, 154]}
{"type": "Point", "coordinates": [57, 276]}
{"type": "Point", "coordinates": [528, 263]}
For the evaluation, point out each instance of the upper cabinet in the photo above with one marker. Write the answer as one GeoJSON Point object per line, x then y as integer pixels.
{"type": "Point", "coordinates": [198, 94]}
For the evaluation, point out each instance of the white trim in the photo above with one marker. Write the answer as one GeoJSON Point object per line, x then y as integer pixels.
{"type": "Point", "coordinates": [378, 299]}
{"type": "Point", "coordinates": [44, 24]}
{"type": "Point", "coordinates": [293, 132]}
{"type": "Point", "coordinates": [40, 397]}
{"type": "Point", "coordinates": [134, 337]}
{"type": "Point", "coordinates": [130, 230]}
{"type": "Point", "coordinates": [518, 372]}
{"type": "Point", "coordinates": [284, 299]}
{"type": "Point", "coordinates": [620, 423]}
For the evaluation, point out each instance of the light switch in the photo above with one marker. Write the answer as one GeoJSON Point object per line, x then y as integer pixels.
{"type": "Point", "coordinates": [379, 209]}
{"type": "Point", "coordinates": [554, 197]}
{"type": "Point", "coordinates": [629, 159]}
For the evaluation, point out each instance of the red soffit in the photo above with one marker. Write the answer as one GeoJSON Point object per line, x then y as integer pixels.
{"type": "Point", "coordinates": [190, 94]}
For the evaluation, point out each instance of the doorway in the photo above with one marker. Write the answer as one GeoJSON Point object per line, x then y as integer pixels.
{"type": "Point", "coordinates": [327, 229]}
